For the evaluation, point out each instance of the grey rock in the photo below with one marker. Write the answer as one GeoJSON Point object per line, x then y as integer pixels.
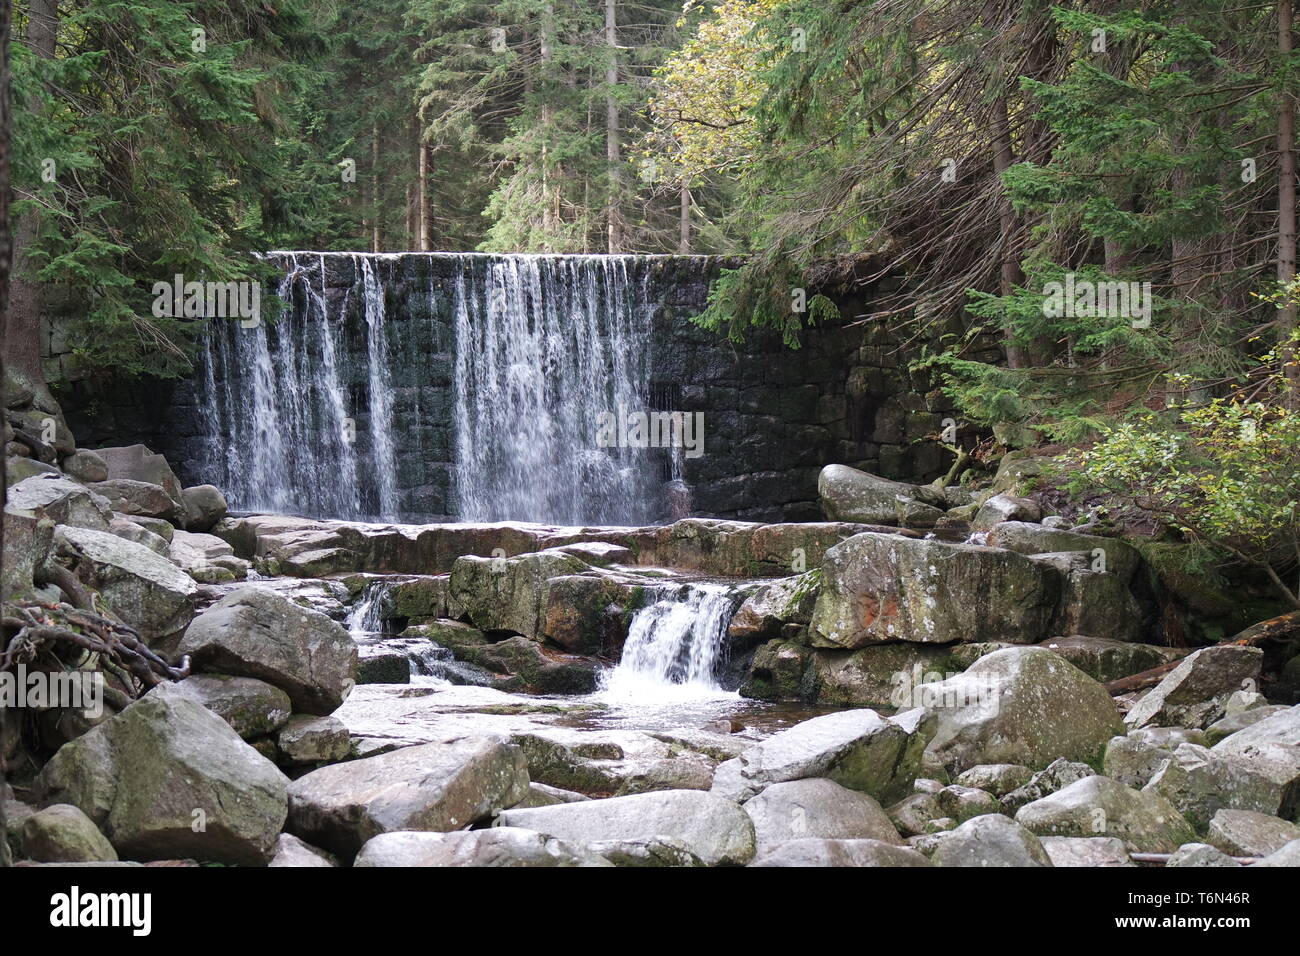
{"type": "Point", "coordinates": [646, 851]}
{"type": "Point", "coordinates": [252, 708]}
{"type": "Point", "coordinates": [997, 778]}
{"type": "Point", "coordinates": [255, 632]}
{"type": "Point", "coordinates": [817, 808]}
{"type": "Point", "coordinates": [818, 852]}
{"type": "Point", "coordinates": [1055, 776]}
{"type": "Point", "coordinates": [1098, 806]}
{"type": "Point", "coordinates": [86, 465]}
{"type": "Point", "coordinates": [292, 852]}
{"type": "Point", "coordinates": [1288, 855]}
{"type": "Point", "coordinates": [307, 739]}
{"type": "Point", "coordinates": [1200, 782]}
{"type": "Point", "coordinates": [1005, 507]}
{"type": "Point", "coordinates": [63, 834]}
{"type": "Point", "coordinates": [203, 507]}
{"type": "Point", "coordinates": [1247, 833]}
{"type": "Point", "coordinates": [714, 829]}
{"type": "Point", "coordinates": [435, 787]}
{"type": "Point", "coordinates": [1087, 851]}
{"type": "Point", "coordinates": [61, 500]}
{"type": "Point", "coordinates": [1193, 694]}
{"type": "Point", "coordinates": [139, 498]}
{"type": "Point", "coordinates": [990, 841]}
{"type": "Point", "coordinates": [499, 846]}
{"type": "Point", "coordinates": [1198, 855]}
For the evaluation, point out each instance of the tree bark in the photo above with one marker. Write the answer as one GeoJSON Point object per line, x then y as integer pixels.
{"type": "Point", "coordinates": [613, 147]}
{"type": "Point", "coordinates": [1286, 210]}
{"type": "Point", "coordinates": [684, 222]}
{"type": "Point", "coordinates": [374, 188]}
{"type": "Point", "coordinates": [24, 380]}
{"type": "Point", "coordinates": [426, 220]}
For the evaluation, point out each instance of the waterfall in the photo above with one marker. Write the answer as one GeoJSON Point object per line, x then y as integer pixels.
{"type": "Point", "coordinates": [674, 647]}
{"type": "Point", "coordinates": [365, 617]}
{"type": "Point", "coordinates": [432, 387]}
{"type": "Point", "coordinates": [545, 345]}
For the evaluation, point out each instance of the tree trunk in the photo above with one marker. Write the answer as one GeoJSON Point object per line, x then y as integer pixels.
{"type": "Point", "coordinates": [374, 188]}
{"type": "Point", "coordinates": [1286, 210]}
{"type": "Point", "coordinates": [1011, 273]}
{"type": "Point", "coordinates": [684, 222]}
{"type": "Point", "coordinates": [613, 148]}
{"type": "Point", "coordinates": [426, 220]}
{"type": "Point", "coordinates": [24, 380]}
{"type": "Point", "coordinates": [547, 54]}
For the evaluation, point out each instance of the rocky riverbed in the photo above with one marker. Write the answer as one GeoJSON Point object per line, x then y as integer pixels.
{"type": "Point", "coordinates": [937, 676]}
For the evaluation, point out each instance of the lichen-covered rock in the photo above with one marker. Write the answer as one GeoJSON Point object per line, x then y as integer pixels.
{"type": "Point", "coordinates": [883, 587]}
{"type": "Point", "coordinates": [817, 808]}
{"type": "Point", "coordinates": [996, 778]}
{"type": "Point", "coordinates": [1200, 855]}
{"type": "Point", "coordinates": [86, 465]}
{"type": "Point", "coordinates": [1200, 782]}
{"type": "Point", "coordinates": [882, 675]}
{"type": "Point", "coordinates": [1007, 707]}
{"type": "Point", "coordinates": [252, 708]}
{"type": "Point", "coordinates": [1086, 851]}
{"type": "Point", "coordinates": [914, 813]}
{"type": "Point", "coordinates": [1105, 659]}
{"type": "Point", "coordinates": [1193, 694]}
{"type": "Point", "coordinates": [857, 749]}
{"type": "Point", "coordinates": [714, 829]}
{"type": "Point", "coordinates": [144, 589]}
{"type": "Point", "coordinates": [1133, 759]}
{"type": "Point", "coordinates": [203, 507]}
{"type": "Point", "coordinates": [206, 558]}
{"type": "Point", "coordinates": [1247, 833]}
{"type": "Point", "coordinates": [306, 739]}
{"type": "Point", "coordinates": [499, 846]}
{"type": "Point", "coordinates": [820, 853]}
{"type": "Point", "coordinates": [1055, 776]}
{"type": "Point", "coordinates": [1099, 806]}
{"type": "Point", "coordinates": [505, 593]}
{"type": "Point", "coordinates": [1120, 559]}
{"type": "Point", "coordinates": [168, 779]}
{"type": "Point", "coordinates": [255, 632]}
{"type": "Point", "coordinates": [653, 851]}
{"type": "Point", "coordinates": [436, 787]}
{"type": "Point", "coordinates": [848, 494]}
{"type": "Point", "coordinates": [28, 540]}
{"type": "Point", "coordinates": [63, 834]}
{"type": "Point", "coordinates": [1005, 507]}
{"type": "Point", "coordinates": [62, 501]}
{"type": "Point", "coordinates": [990, 841]}
{"type": "Point", "coordinates": [140, 498]}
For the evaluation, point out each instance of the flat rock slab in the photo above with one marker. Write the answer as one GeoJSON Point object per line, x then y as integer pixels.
{"type": "Point", "coordinates": [498, 846]}
{"type": "Point", "coordinates": [716, 830]}
{"type": "Point", "coordinates": [816, 808]}
{"type": "Point", "coordinates": [437, 787]}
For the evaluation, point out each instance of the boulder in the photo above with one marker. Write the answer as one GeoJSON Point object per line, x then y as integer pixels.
{"type": "Point", "coordinates": [714, 829]}
{"type": "Point", "coordinates": [991, 840]}
{"type": "Point", "coordinates": [817, 808]}
{"type": "Point", "coordinates": [1086, 851]}
{"type": "Point", "coordinates": [1006, 709]}
{"type": "Point", "coordinates": [848, 494]}
{"type": "Point", "coordinates": [1193, 694]}
{"type": "Point", "coordinates": [914, 814]}
{"type": "Point", "coordinates": [255, 632]}
{"type": "Point", "coordinates": [499, 846]}
{"type": "Point", "coordinates": [138, 463]}
{"type": "Point", "coordinates": [524, 665]}
{"type": "Point", "coordinates": [28, 539]}
{"type": "Point", "coordinates": [1227, 726]}
{"type": "Point", "coordinates": [63, 834]}
{"type": "Point", "coordinates": [646, 851]}
{"type": "Point", "coordinates": [206, 558]}
{"type": "Point", "coordinates": [1200, 782]}
{"type": "Point", "coordinates": [1247, 833]}
{"type": "Point", "coordinates": [144, 589]}
{"type": "Point", "coordinates": [438, 787]}
{"type": "Point", "coordinates": [1005, 507]}
{"type": "Point", "coordinates": [1057, 775]}
{"type": "Point", "coordinates": [883, 587]}
{"type": "Point", "coordinates": [1120, 559]}
{"type": "Point", "coordinates": [1199, 855]}
{"type": "Point", "coordinates": [1134, 759]}
{"type": "Point", "coordinates": [292, 852]}
{"type": "Point", "coordinates": [202, 507]}
{"type": "Point", "coordinates": [1094, 603]}
{"type": "Point", "coordinates": [996, 778]}
{"type": "Point", "coordinates": [1099, 806]}
{"type": "Point", "coordinates": [61, 500]}
{"type": "Point", "coordinates": [543, 795]}
{"type": "Point", "coordinates": [857, 749]}
{"type": "Point", "coordinates": [252, 708]}
{"type": "Point", "coordinates": [86, 465]}
{"type": "Point", "coordinates": [821, 853]}
{"type": "Point", "coordinates": [506, 594]}
{"type": "Point", "coordinates": [960, 804]}
{"type": "Point", "coordinates": [168, 779]}
{"type": "Point", "coordinates": [765, 612]}
{"type": "Point", "coordinates": [1288, 855]}
{"type": "Point", "coordinates": [139, 498]}
{"type": "Point", "coordinates": [306, 740]}
{"type": "Point", "coordinates": [686, 771]}
{"type": "Point", "coordinates": [130, 531]}
{"type": "Point", "coordinates": [1106, 659]}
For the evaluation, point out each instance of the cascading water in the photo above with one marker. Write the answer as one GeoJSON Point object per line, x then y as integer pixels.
{"type": "Point", "coordinates": [281, 432]}
{"type": "Point", "coordinates": [674, 647]}
{"type": "Point", "coordinates": [428, 387]}
{"type": "Point", "coordinates": [545, 346]}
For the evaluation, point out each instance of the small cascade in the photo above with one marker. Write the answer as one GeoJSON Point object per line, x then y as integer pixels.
{"type": "Point", "coordinates": [365, 617]}
{"type": "Point", "coordinates": [675, 647]}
